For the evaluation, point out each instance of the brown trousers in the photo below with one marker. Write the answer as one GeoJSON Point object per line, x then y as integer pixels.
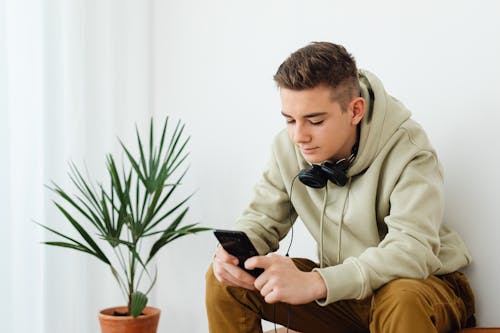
{"type": "Point", "coordinates": [437, 304]}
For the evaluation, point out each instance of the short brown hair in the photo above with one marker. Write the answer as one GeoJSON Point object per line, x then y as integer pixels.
{"type": "Point", "coordinates": [321, 63]}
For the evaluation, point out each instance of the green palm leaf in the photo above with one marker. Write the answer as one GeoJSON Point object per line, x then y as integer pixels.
{"type": "Point", "coordinates": [97, 250]}
{"type": "Point", "coordinates": [137, 304]}
{"type": "Point", "coordinates": [133, 204]}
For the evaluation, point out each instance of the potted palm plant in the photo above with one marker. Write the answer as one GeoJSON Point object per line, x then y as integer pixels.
{"type": "Point", "coordinates": [125, 221]}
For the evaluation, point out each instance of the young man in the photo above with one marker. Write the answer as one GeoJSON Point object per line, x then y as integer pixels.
{"type": "Point", "coordinates": [370, 192]}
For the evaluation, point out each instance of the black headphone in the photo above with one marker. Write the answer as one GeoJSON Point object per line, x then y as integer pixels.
{"type": "Point", "coordinates": [317, 175]}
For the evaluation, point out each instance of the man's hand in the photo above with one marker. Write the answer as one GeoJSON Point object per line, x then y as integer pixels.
{"type": "Point", "coordinates": [228, 273]}
{"type": "Point", "coordinates": [282, 281]}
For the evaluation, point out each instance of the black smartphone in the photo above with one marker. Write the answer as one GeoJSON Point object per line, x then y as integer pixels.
{"type": "Point", "coordinates": [239, 245]}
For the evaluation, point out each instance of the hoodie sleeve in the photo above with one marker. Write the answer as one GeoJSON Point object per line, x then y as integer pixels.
{"type": "Point", "coordinates": [411, 246]}
{"type": "Point", "coordinates": [266, 220]}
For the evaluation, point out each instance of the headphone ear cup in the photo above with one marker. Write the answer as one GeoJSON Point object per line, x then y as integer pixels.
{"type": "Point", "coordinates": [335, 173]}
{"type": "Point", "coordinates": [313, 177]}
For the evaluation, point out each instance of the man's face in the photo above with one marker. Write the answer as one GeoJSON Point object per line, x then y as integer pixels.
{"type": "Point", "coordinates": [317, 125]}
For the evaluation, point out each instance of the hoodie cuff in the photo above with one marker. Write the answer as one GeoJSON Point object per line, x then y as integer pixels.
{"type": "Point", "coordinates": [343, 281]}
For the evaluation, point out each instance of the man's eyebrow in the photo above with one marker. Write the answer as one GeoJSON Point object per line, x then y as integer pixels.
{"type": "Point", "coordinates": [310, 115]}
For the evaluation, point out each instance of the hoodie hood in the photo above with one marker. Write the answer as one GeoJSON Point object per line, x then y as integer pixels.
{"type": "Point", "coordinates": [384, 115]}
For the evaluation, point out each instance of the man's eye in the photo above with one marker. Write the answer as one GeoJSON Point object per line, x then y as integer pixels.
{"type": "Point", "coordinates": [315, 123]}
{"type": "Point", "coordinates": [290, 121]}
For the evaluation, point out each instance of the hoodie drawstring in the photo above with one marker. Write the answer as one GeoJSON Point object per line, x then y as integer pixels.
{"type": "Point", "coordinates": [341, 223]}
{"type": "Point", "coordinates": [339, 229]}
{"type": "Point", "coordinates": [325, 196]}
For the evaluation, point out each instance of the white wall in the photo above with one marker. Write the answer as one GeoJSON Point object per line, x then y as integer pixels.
{"type": "Point", "coordinates": [213, 67]}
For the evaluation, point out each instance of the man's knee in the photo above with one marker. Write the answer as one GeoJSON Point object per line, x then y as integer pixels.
{"type": "Point", "coordinates": [397, 301]}
{"type": "Point", "coordinates": [210, 276]}
{"type": "Point", "coordinates": [214, 289]}
{"type": "Point", "coordinates": [397, 286]}
{"type": "Point", "coordinates": [400, 296]}
{"type": "Point", "coordinates": [404, 290]}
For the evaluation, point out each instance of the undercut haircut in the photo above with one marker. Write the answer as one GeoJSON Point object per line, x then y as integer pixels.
{"type": "Point", "coordinates": [321, 63]}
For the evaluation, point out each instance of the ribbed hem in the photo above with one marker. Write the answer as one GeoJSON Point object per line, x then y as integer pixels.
{"type": "Point", "coordinates": [343, 281]}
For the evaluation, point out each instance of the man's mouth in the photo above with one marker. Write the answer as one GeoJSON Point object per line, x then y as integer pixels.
{"type": "Point", "coordinates": [308, 150]}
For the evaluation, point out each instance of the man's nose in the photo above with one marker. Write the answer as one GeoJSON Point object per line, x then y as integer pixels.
{"type": "Point", "coordinates": [300, 133]}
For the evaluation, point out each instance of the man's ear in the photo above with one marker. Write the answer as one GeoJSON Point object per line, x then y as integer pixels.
{"type": "Point", "coordinates": [358, 108]}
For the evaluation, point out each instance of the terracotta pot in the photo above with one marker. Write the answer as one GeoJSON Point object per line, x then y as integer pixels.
{"type": "Point", "coordinates": [147, 323]}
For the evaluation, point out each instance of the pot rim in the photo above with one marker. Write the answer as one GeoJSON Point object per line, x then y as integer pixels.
{"type": "Point", "coordinates": [149, 311]}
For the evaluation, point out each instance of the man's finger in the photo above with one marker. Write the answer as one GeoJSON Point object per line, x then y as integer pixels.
{"type": "Point", "coordinates": [224, 256]}
{"type": "Point", "coordinates": [258, 262]}
{"type": "Point", "coordinates": [271, 298]}
{"type": "Point", "coordinates": [234, 276]}
{"type": "Point", "coordinates": [264, 287]}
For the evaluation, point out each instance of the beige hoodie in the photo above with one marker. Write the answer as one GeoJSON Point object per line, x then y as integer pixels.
{"type": "Point", "coordinates": [386, 223]}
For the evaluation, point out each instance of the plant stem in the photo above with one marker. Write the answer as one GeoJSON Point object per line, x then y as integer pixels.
{"type": "Point", "coordinates": [121, 260]}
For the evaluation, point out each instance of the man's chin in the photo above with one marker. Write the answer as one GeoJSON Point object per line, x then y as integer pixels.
{"type": "Point", "coordinates": [312, 160]}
